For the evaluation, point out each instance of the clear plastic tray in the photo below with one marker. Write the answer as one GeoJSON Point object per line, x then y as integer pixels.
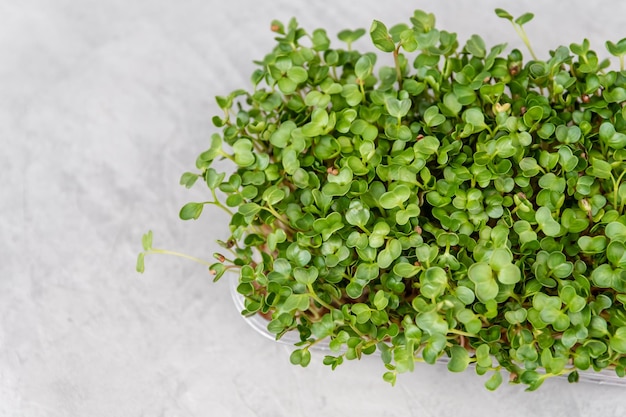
{"type": "Point", "coordinates": [258, 323]}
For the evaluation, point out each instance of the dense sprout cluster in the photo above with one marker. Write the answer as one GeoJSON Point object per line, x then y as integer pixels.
{"type": "Point", "coordinates": [460, 202]}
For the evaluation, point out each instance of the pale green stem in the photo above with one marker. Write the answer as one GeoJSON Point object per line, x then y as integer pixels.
{"type": "Point", "coordinates": [461, 333]}
{"type": "Point", "coordinates": [522, 33]}
{"type": "Point", "coordinates": [362, 89]}
{"type": "Point", "coordinates": [616, 184]}
{"type": "Point", "coordinates": [180, 255]}
{"type": "Point", "coordinates": [396, 62]}
{"type": "Point", "coordinates": [315, 297]}
{"type": "Point", "coordinates": [218, 204]}
{"type": "Point", "coordinates": [274, 213]}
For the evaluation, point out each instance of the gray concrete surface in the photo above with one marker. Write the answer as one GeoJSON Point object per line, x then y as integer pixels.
{"type": "Point", "coordinates": [103, 104]}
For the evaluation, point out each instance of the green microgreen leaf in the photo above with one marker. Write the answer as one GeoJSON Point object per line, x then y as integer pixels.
{"type": "Point", "coordinates": [459, 359]}
{"type": "Point", "coordinates": [486, 287]}
{"type": "Point", "coordinates": [380, 37]}
{"type": "Point", "coordinates": [525, 18]}
{"type": "Point", "coordinates": [433, 282]}
{"type": "Point", "coordinates": [395, 198]}
{"type": "Point", "coordinates": [191, 211]}
{"type": "Point", "coordinates": [350, 36]}
{"type": "Point", "coordinates": [397, 108]}
{"type": "Point", "coordinates": [476, 46]}
{"type": "Point", "coordinates": [547, 223]}
{"type": "Point", "coordinates": [504, 14]}
{"type": "Point", "coordinates": [432, 117]}
{"type": "Point", "coordinates": [618, 340]}
{"type": "Point", "coordinates": [140, 266]}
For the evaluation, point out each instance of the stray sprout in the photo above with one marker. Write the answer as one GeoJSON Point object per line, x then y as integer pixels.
{"type": "Point", "coordinates": [518, 25]}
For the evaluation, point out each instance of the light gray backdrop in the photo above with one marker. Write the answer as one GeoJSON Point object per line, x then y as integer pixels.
{"type": "Point", "coordinates": [103, 104]}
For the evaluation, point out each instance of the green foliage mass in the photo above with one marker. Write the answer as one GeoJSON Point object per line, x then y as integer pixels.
{"type": "Point", "coordinates": [460, 202]}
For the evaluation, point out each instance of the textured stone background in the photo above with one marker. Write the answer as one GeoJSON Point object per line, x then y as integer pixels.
{"type": "Point", "coordinates": [103, 105]}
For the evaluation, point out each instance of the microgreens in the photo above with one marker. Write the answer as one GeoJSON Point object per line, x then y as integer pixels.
{"type": "Point", "coordinates": [447, 201]}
